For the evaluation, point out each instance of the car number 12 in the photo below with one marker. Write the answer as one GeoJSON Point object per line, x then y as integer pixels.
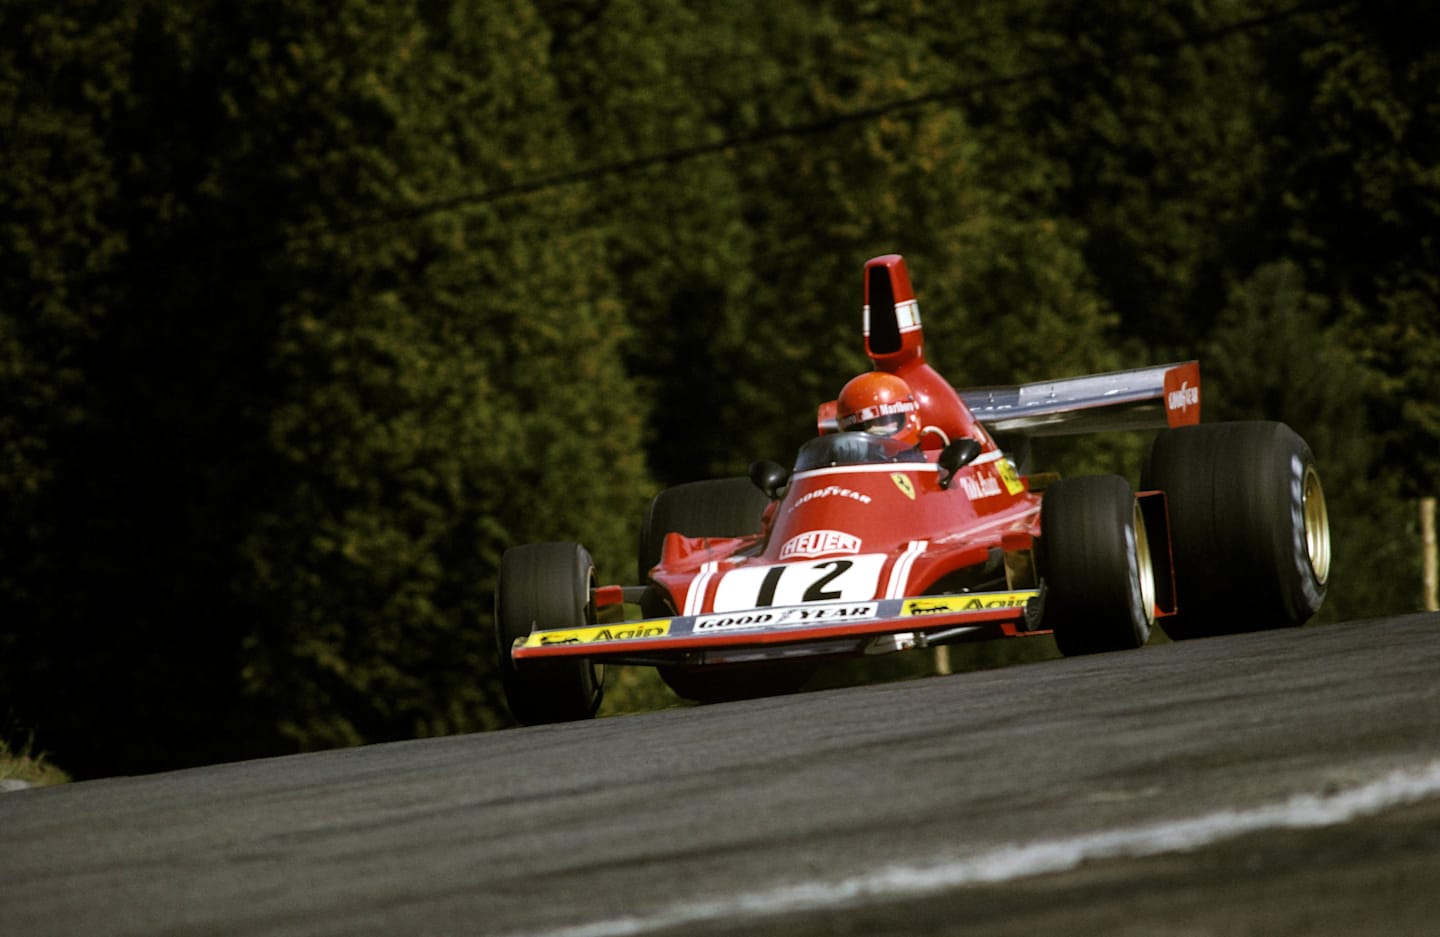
{"type": "Point", "coordinates": [851, 579]}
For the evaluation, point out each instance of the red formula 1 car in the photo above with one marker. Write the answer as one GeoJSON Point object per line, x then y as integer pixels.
{"type": "Point", "coordinates": [903, 525]}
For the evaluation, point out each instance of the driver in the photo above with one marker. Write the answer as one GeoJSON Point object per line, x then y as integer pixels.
{"type": "Point", "coordinates": [880, 404]}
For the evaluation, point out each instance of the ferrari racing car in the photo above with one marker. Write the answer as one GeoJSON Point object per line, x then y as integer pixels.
{"type": "Point", "coordinates": [904, 524]}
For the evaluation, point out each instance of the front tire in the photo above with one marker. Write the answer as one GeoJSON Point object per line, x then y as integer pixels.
{"type": "Point", "coordinates": [1095, 561]}
{"type": "Point", "coordinates": [1249, 527]}
{"type": "Point", "coordinates": [544, 586]}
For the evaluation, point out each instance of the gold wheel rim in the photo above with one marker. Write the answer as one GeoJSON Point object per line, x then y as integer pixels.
{"type": "Point", "coordinates": [1144, 566]}
{"type": "Point", "coordinates": [1317, 524]}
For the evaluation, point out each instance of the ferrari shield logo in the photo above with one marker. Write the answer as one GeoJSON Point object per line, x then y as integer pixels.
{"type": "Point", "coordinates": [903, 482]}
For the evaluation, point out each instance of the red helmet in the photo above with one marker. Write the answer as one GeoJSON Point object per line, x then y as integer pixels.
{"type": "Point", "coordinates": [880, 404]}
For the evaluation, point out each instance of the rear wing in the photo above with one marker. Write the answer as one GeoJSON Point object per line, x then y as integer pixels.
{"type": "Point", "coordinates": [1143, 398]}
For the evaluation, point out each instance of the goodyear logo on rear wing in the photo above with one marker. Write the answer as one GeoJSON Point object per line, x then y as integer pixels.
{"type": "Point", "coordinates": [648, 629]}
{"type": "Point", "coordinates": [981, 601]}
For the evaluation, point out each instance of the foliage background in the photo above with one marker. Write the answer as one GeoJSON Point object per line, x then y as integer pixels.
{"type": "Point", "coordinates": [307, 312]}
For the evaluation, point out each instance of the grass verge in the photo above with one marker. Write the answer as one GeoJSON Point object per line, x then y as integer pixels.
{"type": "Point", "coordinates": [28, 767]}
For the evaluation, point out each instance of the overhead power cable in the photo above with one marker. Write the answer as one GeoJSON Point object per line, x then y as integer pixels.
{"type": "Point", "coordinates": [677, 155]}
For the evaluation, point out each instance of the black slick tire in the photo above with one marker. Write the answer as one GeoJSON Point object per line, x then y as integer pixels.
{"type": "Point", "coordinates": [722, 507]}
{"type": "Point", "coordinates": [1095, 562]}
{"type": "Point", "coordinates": [1249, 527]}
{"type": "Point", "coordinates": [545, 586]}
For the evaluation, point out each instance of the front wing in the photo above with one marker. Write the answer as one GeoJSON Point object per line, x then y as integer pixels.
{"type": "Point", "coordinates": [873, 626]}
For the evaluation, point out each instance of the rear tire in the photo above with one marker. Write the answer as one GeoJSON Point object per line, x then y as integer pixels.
{"type": "Point", "coordinates": [1095, 562]}
{"type": "Point", "coordinates": [721, 507]}
{"type": "Point", "coordinates": [1249, 527]}
{"type": "Point", "coordinates": [544, 586]}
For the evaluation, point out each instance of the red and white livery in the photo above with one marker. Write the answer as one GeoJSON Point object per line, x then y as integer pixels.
{"type": "Point", "coordinates": [904, 524]}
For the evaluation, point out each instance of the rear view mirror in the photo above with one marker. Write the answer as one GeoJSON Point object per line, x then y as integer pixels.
{"type": "Point", "coordinates": [956, 456]}
{"type": "Point", "coordinates": [769, 477]}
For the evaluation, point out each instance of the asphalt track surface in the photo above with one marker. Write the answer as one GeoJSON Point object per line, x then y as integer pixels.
{"type": "Point", "coordinates": [1283, 783]}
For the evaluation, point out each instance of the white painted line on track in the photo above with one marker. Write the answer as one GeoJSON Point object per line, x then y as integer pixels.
{"type": "Point", "coordinates": [1008, 863]}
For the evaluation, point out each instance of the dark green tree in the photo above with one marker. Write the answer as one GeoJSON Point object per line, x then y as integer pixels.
{"type": "Point", "coordinates": [637, 81]}
{"type": "Point", "coordinates": [291, 421]}
{"type": "Point", "coordinates": [1360, 182]}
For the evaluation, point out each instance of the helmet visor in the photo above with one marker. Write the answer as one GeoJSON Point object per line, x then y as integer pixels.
{"type": "Point", "coordinates": [887, 425]}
